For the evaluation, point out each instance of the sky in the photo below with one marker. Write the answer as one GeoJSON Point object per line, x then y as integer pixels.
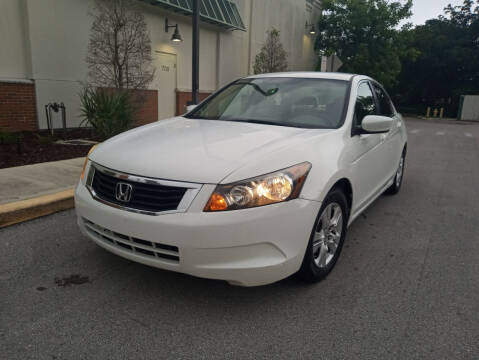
{"type": "Point", "coordinates": [429, 9]}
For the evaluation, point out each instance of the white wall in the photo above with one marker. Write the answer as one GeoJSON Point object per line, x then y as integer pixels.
{"type": "Point", "coordinates": [470, 108]}
{"type": "Point", "coordinates": [14, 47]}
{"type": "Point", "coordinates": [289, 17]}
{"type": "Point", "coordinates": [160, 41]}
{"type": "Point", "coordinates": [58, 31]}
{"type": "Point", "coordinates": [47, 40]}
{"type": "Point", "coordinates": [238, 49]}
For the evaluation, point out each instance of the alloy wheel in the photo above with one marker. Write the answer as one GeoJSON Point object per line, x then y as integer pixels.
{"type": "Point", "coordinates": [327, 235]}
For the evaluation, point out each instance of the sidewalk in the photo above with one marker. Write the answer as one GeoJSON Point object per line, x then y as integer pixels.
{"type": "Point", "coordinates": [35, 190]}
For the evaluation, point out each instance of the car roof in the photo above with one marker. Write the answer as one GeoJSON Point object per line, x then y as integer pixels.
{"type": "Point", "coordinates": [310, 75]}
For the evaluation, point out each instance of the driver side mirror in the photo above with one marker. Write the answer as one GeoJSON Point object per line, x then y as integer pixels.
{"type": "Point", "coordinates": [374, 124]}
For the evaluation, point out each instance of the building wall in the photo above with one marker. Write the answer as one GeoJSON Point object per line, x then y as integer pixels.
{"type": "Point", "coordinates": [46, 41]}
{"type": "Point", "coordinates": [14, 45]}
{"type": "Point", "coordinates": [470, 108]}
{"type": "Point", "coordinates": [160, 40]}
{"type": "Point", "coordinates": [290, 18]}
{"type": "Point", "coordinates": [17, 106]}
{"type": "Point", "coordinates": [148, 106]}
{"type": "Point", "coordinates": [238, 49]}
{"type": "Point", "coordinates": [183, 97]}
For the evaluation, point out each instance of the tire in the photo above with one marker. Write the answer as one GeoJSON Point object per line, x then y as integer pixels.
{"type": "Point", "coordinates": [396, 186]}
{"type": "Point", "coordinates": [320, 258]}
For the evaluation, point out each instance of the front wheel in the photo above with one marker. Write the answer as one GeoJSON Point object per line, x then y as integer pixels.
{"type": "Point", "coordinates": [327, 238]}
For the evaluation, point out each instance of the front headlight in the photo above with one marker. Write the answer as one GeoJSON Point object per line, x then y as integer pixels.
{"type": "Point", "coordinates": [282, 185]}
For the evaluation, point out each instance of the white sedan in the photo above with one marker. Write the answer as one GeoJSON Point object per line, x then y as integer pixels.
{"type": "Point", "coordinates": [258, 182]}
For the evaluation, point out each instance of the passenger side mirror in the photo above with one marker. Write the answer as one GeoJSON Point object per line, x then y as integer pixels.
{"type": "Point", "coordinates": [376, 124]}
{"type": "Point", "coordinates": [190, 108]}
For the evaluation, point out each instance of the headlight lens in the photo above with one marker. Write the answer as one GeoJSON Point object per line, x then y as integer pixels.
{"type": "Point", "coordinates": [282, 185]}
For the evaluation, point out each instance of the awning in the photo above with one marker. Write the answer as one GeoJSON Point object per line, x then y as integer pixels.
{"type": "Point", "coordinates": [222, 13]}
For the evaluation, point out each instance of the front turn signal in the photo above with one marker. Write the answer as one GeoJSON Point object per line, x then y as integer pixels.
{"type": "Point", "coordinates": [217, 203]}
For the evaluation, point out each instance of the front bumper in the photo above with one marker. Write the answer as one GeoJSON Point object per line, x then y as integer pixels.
{"type": "Point", "coordinates": [245, 247]}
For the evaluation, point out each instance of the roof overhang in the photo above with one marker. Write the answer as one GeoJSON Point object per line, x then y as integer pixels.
{"type": "Point", "coordinates": [222, 13]}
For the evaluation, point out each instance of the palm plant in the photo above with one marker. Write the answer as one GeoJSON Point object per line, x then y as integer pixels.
{"type": "Point", "coordinates": [108, 111]}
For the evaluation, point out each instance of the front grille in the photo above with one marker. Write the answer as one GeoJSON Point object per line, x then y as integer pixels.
{"type": "Point", "coordinates": [135, 245]}
{"type": "Point", "coordinates": [144, 196]}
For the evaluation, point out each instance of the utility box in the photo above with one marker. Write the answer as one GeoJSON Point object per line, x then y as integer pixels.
{"type": "Point", "coordinates": [469, 108]}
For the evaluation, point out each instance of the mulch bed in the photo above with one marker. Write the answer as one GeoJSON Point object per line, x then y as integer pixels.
{"type": "Point", "coordinates": [36, 147]}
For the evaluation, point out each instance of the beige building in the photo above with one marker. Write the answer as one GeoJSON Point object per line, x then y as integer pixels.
{"type": "Point", "coordinates": [43, 45]}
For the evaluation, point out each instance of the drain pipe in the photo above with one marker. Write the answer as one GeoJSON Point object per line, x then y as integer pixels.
{"type": "Point", "coordinates": [48, 113]}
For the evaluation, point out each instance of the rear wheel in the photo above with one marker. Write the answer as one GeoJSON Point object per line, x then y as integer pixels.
{"type": "Point", "coordinates": [327, 238]}
{"type": "Point", "coordinates": [396, 185]}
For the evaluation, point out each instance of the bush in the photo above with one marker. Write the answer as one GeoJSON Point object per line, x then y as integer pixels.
{"type": "Point", "coordinates": [414, 110]}
{"type": "Point", "coordinates": [108, 111]}
{"type": "Point", "coordinates": [45, 139]}
{"type": "Point", "coordinates": [7, 137]}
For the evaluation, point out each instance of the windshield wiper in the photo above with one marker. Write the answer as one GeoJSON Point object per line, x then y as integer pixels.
{"type": "Point", "coordinates": [268, 92]}
{"type": "Point", "coordinates": [265, 122]}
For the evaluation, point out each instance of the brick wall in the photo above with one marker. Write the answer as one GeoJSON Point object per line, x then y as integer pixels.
{"type": "Point", "coordinates": [147, 102]}
{"type": "Point", "coordinates": [17, 107]}
{"type": "Point", "coordinates": [148, 106]}
{"type": "Point", "coordinates": [183, 97]}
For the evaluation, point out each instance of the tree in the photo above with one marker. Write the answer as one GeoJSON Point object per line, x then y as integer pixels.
{"type": "Point", "coordinates": [447, 65]}
{"type": "Point", "coordinates": [119, 50]}
{"type": "Point", "coordinates": [363, 33]}
{"type": "Point", "coordinates": [462, 15]}
{"type": "Point", "coordinates": [272, 57]}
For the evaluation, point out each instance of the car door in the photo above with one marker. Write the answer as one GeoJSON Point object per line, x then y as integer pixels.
{"type": "Point", "coordinates": [366, 151]}
{"type": "Point", "coordinates": [393, 142]}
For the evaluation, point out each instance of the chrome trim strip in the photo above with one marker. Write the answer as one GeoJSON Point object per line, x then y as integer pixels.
{"type": "Point", "coordinates": [192, 189]}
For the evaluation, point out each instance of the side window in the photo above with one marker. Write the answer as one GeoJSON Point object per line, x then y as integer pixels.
{"type": "Point", "coordinates": [365, 104]}
{"type": "Point", "coordinates": [385, 107]}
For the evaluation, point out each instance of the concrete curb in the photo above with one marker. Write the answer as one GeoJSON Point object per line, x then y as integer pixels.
{"type": "Point", "coordinates": [19, 211]}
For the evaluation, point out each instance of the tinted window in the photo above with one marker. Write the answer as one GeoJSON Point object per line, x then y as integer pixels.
{"type": "Point", "coordinates": [385, 107]}
{"type": "Point", "coordinates": [365, 104]}
{"type": "Point", "coordinates": [298, 102]}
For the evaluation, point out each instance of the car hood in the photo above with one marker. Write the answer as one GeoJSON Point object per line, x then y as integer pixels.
{"type": "Point", "coordinates": [202, 151]}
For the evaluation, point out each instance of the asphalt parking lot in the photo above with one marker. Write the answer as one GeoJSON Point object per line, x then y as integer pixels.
{"type": "Point", "coordinates": [405, 287]}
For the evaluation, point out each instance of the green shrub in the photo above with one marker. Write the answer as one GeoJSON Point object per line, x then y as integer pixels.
{"type": "Point", "coordinates": [7, 137]}
{"type": "Point", "coordinates": [45, 139]}
{"type": "Point", "coordinates": [108, 111]}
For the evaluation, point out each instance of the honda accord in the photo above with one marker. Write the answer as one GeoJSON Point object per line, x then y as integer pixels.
{"type": "Point", "coordinates": [258, 182]}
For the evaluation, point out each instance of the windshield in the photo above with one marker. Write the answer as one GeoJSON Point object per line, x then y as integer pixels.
{"type": "Point", "coordinates": [298, 102]}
